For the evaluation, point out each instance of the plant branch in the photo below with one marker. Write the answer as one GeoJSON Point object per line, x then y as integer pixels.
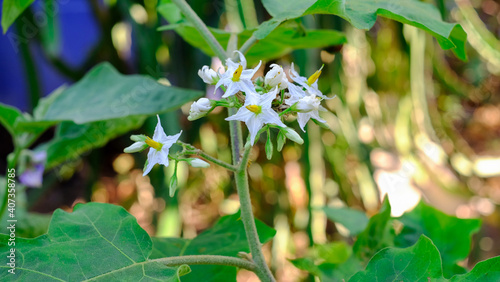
{"type": "Point", "coordinates": [202, 28]}
{"type": "Point", "coordinates": [207, 259]}
{"type": "Point", "coordinates": [248, 44]}
{"type": "Point", "coordinates": [241, 177]}
{"type": "Point", "coordinates": [191, 150]}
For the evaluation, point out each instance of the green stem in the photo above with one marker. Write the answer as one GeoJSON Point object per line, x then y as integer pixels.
{"type": "Point", "coordinates": [191, 150]}
{"type": "Point", "coordinates": [248, 44]}
{"type": "Point", "coordinates": [207, 259]}
{"type": "Point", "coordinates": [241, 176]}
{"type": "Point", "coordinates": [202, 28]}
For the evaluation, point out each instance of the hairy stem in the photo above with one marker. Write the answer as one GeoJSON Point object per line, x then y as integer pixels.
{"type": "Point", "coordinates": [248, 220]}
{"type": "Point", "coordinates": [201, 27]}
{"type": "Point", "coordinates": [241, 176]}
{"type": "Point", "coordinates": [191, 150]}
{"type": "Point", "coordinates": [207, 259]}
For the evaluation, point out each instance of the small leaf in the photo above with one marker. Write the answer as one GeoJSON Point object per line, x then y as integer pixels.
{"type": "Point", "coordinates": [8, 117]}
{"type": "Point", "coordinates": [420, 262]}
{"type": "Point", "coordinates": [99, 242]}
{"type": "Point", "coordinates": [227, 237]}
{"type": "Point", "coordinates": [11, 9]}
{"type": "Point", "coordinates": [355, 221]}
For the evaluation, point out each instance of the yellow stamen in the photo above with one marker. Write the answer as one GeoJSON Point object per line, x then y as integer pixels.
{"type": "Point", "coordinates": [254, 109]}
{"type": "Point", "coordinates": [312, 79]}
{"type": "Point", "coordinates": [153, 144]}
{"type": "Point", "coordinates": [237, 73]}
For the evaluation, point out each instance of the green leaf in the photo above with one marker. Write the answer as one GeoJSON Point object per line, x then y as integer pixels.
{"type": "Point", "coordinates": [330, 271]}
{"type": "Point", "coordinates": [280, 42]}
{"type": "Point", "coordinates": [99, 242]}
{"type": "Point", "coordinates": [227, 237]}
{"type": "Point", "coordinates": [420, 262]}
{"type": "Point", "coordinates": [487, 270]}
{"type": "Point", "coordinates": [72, 139]}
{"type": "Point", "coordinates": [8, 117]}
{"type": "Point", "coordinates": [451, 235]}
{"type": "Point", "coordinates": [105, 94]}
{"type": "Point", "coordinates": [286, 9]}
{"type": "Point", "coordinates": [354, 220]}
{"type": "Point", "coordinates": [378, 234]}
{"type": "Point", "coordinates": [362, 14]}
{"type": "Point", "coordinates": [11, 9]}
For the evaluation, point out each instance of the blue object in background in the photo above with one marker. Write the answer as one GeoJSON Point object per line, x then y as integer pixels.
{"type": "Point", "coordinates": [78, 34]}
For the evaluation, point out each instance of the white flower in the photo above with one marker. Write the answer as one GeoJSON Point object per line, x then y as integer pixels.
{"type": "Point", "coordinates": [310, 84]}
{"type": "Point", "coordinates": [276, 77]}
{"type": "Point", "coordinates": [257, 111]}
{"type": "Point", "coordinates": [237, 77]}
{"type": "Point", "coordinates": [208, 75]}
{"type": "Point", "coordinates": [199, 109]}
{"type": "Point", "coordinates": [160, 145]}
{"type": "Point", "coordinates": [198, 163]}
{"type": "Point", "coordinates": [307, 106]}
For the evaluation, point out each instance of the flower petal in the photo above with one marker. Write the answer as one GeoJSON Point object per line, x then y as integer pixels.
{"type": "Point", "coordinates": [267, 99]}
{"type": "Point", "coordinates": [151, 161]}
{"type": "Point", "coordinates": [270, 116]}
{"type": "Point", "coordinates": [159, 132]}
{"type": "Point", "coordinates": [254, 125]}
{"type": "Point", "coordinates": [243, 114]}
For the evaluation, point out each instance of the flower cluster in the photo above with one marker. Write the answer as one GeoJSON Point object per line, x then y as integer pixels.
{"type": "Point", "coordinates": [262, 104]}
{"type": "Point", "coordinates": [265, 101]}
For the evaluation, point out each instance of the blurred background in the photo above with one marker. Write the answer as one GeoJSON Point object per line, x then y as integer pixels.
{"type": "Point", "coordinates": [410, 121]}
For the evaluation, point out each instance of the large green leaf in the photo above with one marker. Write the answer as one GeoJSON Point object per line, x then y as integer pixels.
{"type": "Point", "coordinates": [355, 221]}
{"type": "Point", "coordinates": [227, 237]}
{"type": "Point", "coordinates": [377, 235]}
{"type": "Point", "coordinates": [363, 14]}
{"type": "Point", "coordinates": [98, 242]}
{"type": "Point", "coordinates": [487, 270]}
{"type": "Point", "coordinates": [105, 94]}
{"type": "Point", "coordinates": [420, 262]}
{"type": "Point", "coordinates": [72, 139]}
{"type": "Point", "coordinates": [11, 9]}
{"type": "Point", "coordinates": [280, 41]}
{"type": "Point", "coordinates": [451, 235]}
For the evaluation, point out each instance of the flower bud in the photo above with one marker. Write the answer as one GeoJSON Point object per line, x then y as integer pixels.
{"type": "Point", "coordinates": [200, 108]}
{"type": "Point", "coordinates": [292, 135]}
{"type": "Point", "coordinates": [208, 75]}
{"type": "Point", "coordinates": [136, 147]}
{"type": "Point", "coordinates": [269, 147]}
{"type": "Point", "coordinates": [198, 163]}
{"type": "Point", "coordinates": [307, 104]}
{"type": "Point", "coordinates": [138, 138]}
{"type": "Point", "coordinates": [276, 77]}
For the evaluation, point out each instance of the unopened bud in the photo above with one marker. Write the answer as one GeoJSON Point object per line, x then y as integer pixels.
{"type": "Point", "coordinates": [276, 77]}
{"type": "Point", "coordinates": [269, 147]}
{"type": "Point", "coordinates": [136, 147]}
{"type": "Point", "coordinates": [198, 163]}
{"type": "Point", "coordinates": [200, 108]}
{"type": "Point", "coordinates": [208, 75]}
{"type": "Point", "coordinates": [292, 135]}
